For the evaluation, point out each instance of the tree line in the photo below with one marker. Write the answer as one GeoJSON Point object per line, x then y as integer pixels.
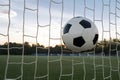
{"type": "Point", "coordinates": [107, 47]}
{"type": "Point", "coordinates": [14, 48]}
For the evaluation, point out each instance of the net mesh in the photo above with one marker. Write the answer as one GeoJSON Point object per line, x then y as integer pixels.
{"type": "Point", "coordinates": [104, 13]}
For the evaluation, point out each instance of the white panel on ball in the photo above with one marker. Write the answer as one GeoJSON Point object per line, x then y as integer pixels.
{"type": "Point", "coordinates": [68, 40]}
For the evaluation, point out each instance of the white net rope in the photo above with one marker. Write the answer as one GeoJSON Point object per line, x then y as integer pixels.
{"type": "Point", "coordinates": [104, 13]}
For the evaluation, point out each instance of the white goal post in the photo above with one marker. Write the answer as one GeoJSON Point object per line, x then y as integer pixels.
{"type": "Point", "coordinates": [42, 21]}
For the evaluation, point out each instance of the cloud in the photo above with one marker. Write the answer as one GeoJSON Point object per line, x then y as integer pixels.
{"type": "Point", "coordinates": [4, 14]}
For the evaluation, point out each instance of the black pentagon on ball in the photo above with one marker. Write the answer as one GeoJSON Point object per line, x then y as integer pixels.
{"type": "Point", "coordinates": [79, 41]}
{"type": "Point", "coordinates": [85, 24]}
{"type": "Point", "coordinates": [67, 28]}
{"type": "Point", "coordinates": [95, 39]}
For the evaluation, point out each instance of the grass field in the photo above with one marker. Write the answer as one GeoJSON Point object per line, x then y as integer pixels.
{"type": "Point", "coordinates": [77, 67]}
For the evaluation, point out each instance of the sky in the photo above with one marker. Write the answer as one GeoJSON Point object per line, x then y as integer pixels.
{"type": "Point", "coordinates": [54, 19]}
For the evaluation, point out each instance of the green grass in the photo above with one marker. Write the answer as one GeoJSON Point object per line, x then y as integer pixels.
{"type": "Point", "coordinates": [67, 65]}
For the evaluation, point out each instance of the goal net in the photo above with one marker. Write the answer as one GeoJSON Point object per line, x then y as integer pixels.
{"type": "Point", "coordinates": [31, 29]}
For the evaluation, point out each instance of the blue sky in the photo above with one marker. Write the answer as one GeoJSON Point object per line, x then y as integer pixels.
{"type": "Point", "coordinates": [17, 7]}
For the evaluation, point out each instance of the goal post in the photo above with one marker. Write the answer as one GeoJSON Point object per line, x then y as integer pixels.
{"type": "Point", "coordinates": [31, 29]}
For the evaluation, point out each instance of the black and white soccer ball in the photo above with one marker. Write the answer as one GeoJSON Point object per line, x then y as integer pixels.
{"type": "Point", "coordinates": [80, 34]}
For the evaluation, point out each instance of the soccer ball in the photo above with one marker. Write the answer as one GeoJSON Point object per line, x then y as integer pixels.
{"type": "Point", "coordinates": [80, 34]}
